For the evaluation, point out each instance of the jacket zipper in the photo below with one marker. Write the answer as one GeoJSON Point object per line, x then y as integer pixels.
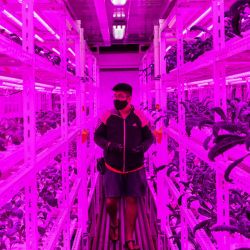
{"type": "Point", "coordinates": [124, 143]}
{"type": "Point", "coordinates": [124, 138]}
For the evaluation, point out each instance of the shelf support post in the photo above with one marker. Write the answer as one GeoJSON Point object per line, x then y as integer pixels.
{"type": "Point", "coordinates": [31, 194]}
{"type": "Point", "coordinates": [222, 190]}
{"type": "Point", "coordinates": [181, 122]}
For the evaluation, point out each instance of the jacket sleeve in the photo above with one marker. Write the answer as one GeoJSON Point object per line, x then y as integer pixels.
{"type": "Point", "coordinates": [100, 134]}
{"type": "Point", "coordinates": [148, 138]}
{"type": "Point", "coordinates": [147, 135]}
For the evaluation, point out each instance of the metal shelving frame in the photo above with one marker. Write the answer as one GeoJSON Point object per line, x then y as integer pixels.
{"type": "Point", "coordinates": [217, 65]}
{"type": "Point", "coordinates": [34, 155]}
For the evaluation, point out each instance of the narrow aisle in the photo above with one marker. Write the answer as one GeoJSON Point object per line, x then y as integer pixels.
{"type": "Point", "coordinates": [142, 233]}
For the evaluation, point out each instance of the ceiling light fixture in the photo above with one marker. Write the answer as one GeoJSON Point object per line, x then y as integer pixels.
{"type": "Point", "coordinates": [119, 2]}
{"type": "Point", "coordinates": [119, 14]}
{"type": "Point", "coordinates": [119, 31]}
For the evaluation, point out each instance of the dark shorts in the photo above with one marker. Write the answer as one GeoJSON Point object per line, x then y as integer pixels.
{"type": "Point", "coordinates": [131, 184]}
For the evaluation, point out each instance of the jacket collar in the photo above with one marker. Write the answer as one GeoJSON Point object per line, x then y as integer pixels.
{"type": "Point", "coordinates": [116, 112]}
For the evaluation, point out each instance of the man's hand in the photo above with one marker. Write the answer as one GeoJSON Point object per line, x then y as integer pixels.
{"type": "Point", "coordinates": [138, 149]}
{"type": "Point", "coordinates": [115, 147]}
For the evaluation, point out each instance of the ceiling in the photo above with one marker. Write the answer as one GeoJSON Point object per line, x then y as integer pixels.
{"type": "Point", "coordinates": [97, 20]}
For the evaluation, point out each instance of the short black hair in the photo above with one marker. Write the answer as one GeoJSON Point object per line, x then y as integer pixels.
{"type": "Point", "coordinates": [123, 87]}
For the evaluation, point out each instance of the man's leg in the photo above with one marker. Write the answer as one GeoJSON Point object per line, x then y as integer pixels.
{"type": "Point", "coordinates": [111, 207]}
{"type": "Point", "coordinates": [131, 212]}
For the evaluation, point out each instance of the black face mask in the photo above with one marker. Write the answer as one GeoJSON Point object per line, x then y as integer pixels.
{"type": "Point", "coordinates": [120, 104]}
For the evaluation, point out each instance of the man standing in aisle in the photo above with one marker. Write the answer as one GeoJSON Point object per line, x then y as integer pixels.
{"type": "Point", "coordinates": [125, 136]}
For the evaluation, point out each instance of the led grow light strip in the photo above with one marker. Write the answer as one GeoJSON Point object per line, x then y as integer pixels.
{"type": "Point", "coordinates": [172, 22]}
{"type": "Point", "coordinates": [168, 48]}
{"type": "Point", "coordinates": [39, 38]}
{"type": "Point", "coordinates": [208, 28]}
{"type": "Point", "coordinates": [10, 16]}
{"type": "Point", "coordinates": [36, 36]}
{"type": "Point", "coordinates": [11, 79]}
{"type": "Point", "coordinates": [19, 81]}
{"type": "Point", "coordinates": [56, 51]}
{"type": "Point", "coordinates": [44, 23]}
{"type": "Point", "coordinates": [4, 87]}
{"type": "Point", "coordinates": [197, 20]}
{"type": "Point", "coordinates": [200, 18]}
{"type": "Point", "coordinates": [71, 63]}
{"type": "Point", "coordinates": [12, 85]}
{"type": "Point", "coordinates": [71, 51]}
{"type": "Point", "coordinates": [5, 29]}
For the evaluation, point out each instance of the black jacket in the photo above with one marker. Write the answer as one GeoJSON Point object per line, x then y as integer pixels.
{"type": "Point", "coordinates": [136, 131]}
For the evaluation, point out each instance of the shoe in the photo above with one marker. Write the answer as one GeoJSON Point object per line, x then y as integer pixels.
{"type": "Point", "coordinates": [128, 246]}
{"type": "Point", "coordinates": [114, 231]}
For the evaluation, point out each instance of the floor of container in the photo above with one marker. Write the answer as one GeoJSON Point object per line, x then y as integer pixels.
{"type": "Point", "coordinates": [142, 233]}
